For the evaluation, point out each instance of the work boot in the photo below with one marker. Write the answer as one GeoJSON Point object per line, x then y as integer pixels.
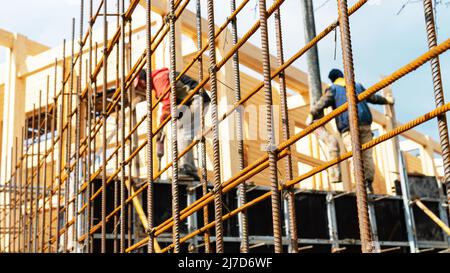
{"type": "Point", "coordinates": [369, 188]}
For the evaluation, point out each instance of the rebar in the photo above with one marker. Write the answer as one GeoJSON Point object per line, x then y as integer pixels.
{"type": "Point", "coordinates": [361, 194]}
{"type": "Point", "coordinates": [438, 94]}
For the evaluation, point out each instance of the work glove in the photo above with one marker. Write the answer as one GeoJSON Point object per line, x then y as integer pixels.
{"type": "Point", "coordinates": [390, 100]}
{"type": "Point", "coordinates": [309, 120]}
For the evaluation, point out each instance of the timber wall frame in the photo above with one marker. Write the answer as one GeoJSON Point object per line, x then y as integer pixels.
{"type": "Point", "coordinates": [50, 208]}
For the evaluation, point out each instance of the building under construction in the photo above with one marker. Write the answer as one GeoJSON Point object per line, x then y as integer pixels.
{"type": "Point", "coordinates": [80, 172]}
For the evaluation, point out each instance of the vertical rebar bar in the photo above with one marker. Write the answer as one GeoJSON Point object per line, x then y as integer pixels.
{"type": "Point", "coordinates": [116, 164]}
{"type": "Point", "coordinates": [271, 150]}
{"type": "Point", "coordinates": [241, 191]}
{"type": "Point", "coordinates": [122, 129]}
{"type": "Point", "coordinates": [438, 94]}
{"type": "Point", "coordinates": [30, 222]}
{"type": "Point", "coordinates": [69, 140]}
{"type": "Point", "coordinates": [203, 164]}
{"type": "Point", "coordinates": [361, 194]}
{"type": "Point", "coordinates": [105, 117]}
{"type": "Point", "coordinates": [173, 112]}
{"type": "Point", "coordinates": [38, 174]}
{"type": "Point", "coordinates": [45, 165]}
{"type": "Point", "coordinates": [53, 144]}
{"type": "Point", "coordinates": [60, 147]}
{"type": "Point", "coordinates": [89, 132]}
{"type": "Point", "coordinates": [5, 217]}
{"type": "Point", "coordinates": [215, 125]}
{"type": "Point", "coordinates": [10, 214]}
{"type": "Point", "coordinates": [25, 216]}
{"type": "Point", "coordinates": [21, 222]}
{"type": "Point", "coordinates": [290, 196]}
{"type": "Point", "coordinates": [78, 130]}
{"type": "Point", "coordinates": [14, 188]}
{"type": "Point", "coordinates": [148, 97]}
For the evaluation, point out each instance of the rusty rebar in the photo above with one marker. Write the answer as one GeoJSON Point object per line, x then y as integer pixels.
{"type": "Point", "coordinates": [215, 128]}
{"type": "Point", "coordinates": [361, 194]}
{"type": "Point", "coordinates": [149, 100]}
{"type": "Point", "coordinates": [60, 152]}
{"type": "Point", "coordinates": [289, 193]}
{"type": "Point", "coordinates": [122, 129]}
{"type": "Point", "coordinates": [45, 165]}
{"type": "Point", "coordinates": [438, 94]}
{"type": "Point", "coordinates": [53, 129]}
{"type": "Point", "coordinates": [275, 197]}
{"type": "Point", "coordinates": [38, 176]}
{"type": "Point", "coordinates": [104, 117]}
{"type": "Point", "coordinates": [174, 134]}
{"type": "Point", "coordinates": [241, 190]}
{"type": "Point", "coordinates": [202, 157]}
{"type": "Point", "coordinates": [78, 129]}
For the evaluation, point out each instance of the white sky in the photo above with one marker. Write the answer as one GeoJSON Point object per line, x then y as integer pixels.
{"type": "Point", "coordinates": [382, 40]}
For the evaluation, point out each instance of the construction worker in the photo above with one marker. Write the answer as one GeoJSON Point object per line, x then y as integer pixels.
{"type": "Point", "coordinates": [336, 96]}
{"type": "Point", "coordinates": [187, 124]}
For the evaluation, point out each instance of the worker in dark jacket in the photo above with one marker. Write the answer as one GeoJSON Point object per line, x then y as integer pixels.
{"type": "Point", "coordinates": [336, 96]}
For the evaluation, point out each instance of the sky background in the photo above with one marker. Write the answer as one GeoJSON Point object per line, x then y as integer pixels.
{"type": "Point", "coordinates": [386, 34]}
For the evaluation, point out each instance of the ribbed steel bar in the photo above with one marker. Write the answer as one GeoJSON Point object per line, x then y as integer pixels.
{"type": "Point", "coordinates": [10, 214]}
{"type": "Point", "coordinates": [14, 187]}
{"type": "Point", "coordinates": [68, 140]}
{"type": "Point", "coordinates": [104, 117]}
{"type": "Point", "coordinates": [149, 100]}
{"type": "Point", "coordinates": [438, 94]}
{"type": "Point", "coordinates": [60, 151]}
{"type": "Point", "coordinates": [241, 191]}
{"type": "Point", "coordinates": [78, 130]}
{"type": "Point", "coordinates": [45, 164]}
{"type": "Point", "coordinates": [130, 93]}
{"type": "Point", "coordinates": [174, 134]}
{"type": "Point", "coordinates": [361, 194]}
{"type": "Point", "coordinates": [122, 129]}
{"type": "Point", "coordinates": [90, 152]}
{"type": "Point", "coordinates": [26, 217]}
{"type": "Point", "coordinates": [117, 113]}
{"type": "Point", "coordinates": [275, 196]}
{"type": "Point", "coordinates": [215, 128]}
{"type": "Point", "coordinates": [38, 176]}
{"type": "Point", "coordinates": [54, 117]}
{"type": "Point", "coordinates": [21, 201]}
{"type": "Point", "coordinates": [202, 157]}
{"type": "Point", "coordinates": [289, 193]}
{"type": "Point", "coordinates": [5, 224]}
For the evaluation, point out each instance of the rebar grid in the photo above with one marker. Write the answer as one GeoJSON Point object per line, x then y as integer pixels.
{"type": "Point", "coordinates": [77, 171]}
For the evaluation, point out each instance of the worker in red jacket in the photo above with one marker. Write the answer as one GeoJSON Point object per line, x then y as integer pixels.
{"type": "Point", "coordinates": [188, 114]}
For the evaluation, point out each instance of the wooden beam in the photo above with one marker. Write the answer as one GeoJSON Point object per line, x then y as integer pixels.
{"type": "Point", "coordinates": [6, 38]}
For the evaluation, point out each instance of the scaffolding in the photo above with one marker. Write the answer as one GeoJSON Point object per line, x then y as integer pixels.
{"type": "Point", "coordinates": [63, 167]}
